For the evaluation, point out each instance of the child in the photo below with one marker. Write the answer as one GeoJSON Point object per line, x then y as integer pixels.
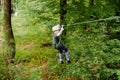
{"type": "Point", "coordinates": [57, 31]}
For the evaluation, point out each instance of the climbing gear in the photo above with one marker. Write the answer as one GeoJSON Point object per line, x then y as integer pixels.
{"type": "Point", "coordinates": [85, 22]}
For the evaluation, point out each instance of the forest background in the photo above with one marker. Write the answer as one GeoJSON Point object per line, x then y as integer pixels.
{"type": "Point", "coordinates": [94, 47]}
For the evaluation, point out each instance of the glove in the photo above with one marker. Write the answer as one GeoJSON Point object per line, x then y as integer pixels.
{"type": "Point", "coordinates": [62, 27]}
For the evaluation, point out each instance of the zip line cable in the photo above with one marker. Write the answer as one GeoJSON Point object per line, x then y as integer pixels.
{"type": "Point", "coordinates": [110, 18]}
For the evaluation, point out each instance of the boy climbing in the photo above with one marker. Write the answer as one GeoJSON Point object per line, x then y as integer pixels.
{"type": "Point", "coordinates": [57, 31]}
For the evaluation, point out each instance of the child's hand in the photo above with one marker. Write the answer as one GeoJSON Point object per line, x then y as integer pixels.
{"type": "Point", "coordinates": [62, 28]}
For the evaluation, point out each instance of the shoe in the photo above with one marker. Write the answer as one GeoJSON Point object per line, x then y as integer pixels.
{"type": "Point", "coordinates": [61, 62]}
{"type": "Point", "coordinates": [68, 61]}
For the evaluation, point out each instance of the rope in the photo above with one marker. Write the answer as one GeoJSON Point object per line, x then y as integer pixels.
{"type": "Point", "coordinates": [110, 18]}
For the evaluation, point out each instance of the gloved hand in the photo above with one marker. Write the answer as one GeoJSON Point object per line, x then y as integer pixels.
{"type": "Point", "coordinates": [61, 30]}
{"type": "Point", "coordinates": [62, 27]}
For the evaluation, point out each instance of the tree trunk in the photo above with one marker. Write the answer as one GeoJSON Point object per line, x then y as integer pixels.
{"type": "Point", "coordinates": [91, 5]}
{"type": "Point", "coordinates": [10, 48]}
{"type": "Point", "coordinates": [117, 9]}
{"type": "Point", "coordinates": [91, 2]}
{"type": "Point", "coordinates": [63, 11]}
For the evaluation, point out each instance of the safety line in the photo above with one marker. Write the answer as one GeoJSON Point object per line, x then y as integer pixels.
{"type": "Point", "coordinates": [110, 18]}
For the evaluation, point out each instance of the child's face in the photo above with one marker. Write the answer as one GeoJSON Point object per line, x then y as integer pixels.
{"type": "Point", "coordinates": [56, 31]}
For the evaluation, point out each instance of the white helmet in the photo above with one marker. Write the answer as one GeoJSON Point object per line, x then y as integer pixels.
{"type": "Point", "coordinates": [57, 27]}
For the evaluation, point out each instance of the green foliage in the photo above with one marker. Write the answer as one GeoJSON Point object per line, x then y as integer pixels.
{"type": "Point", "coordinates": [2, 69]}
{"type": "Point", "coordinates": [1, 17]}
{"type": "Point", "coordinates": [94, 47]}
{"type": "Point", "coordinates": [118, 73]}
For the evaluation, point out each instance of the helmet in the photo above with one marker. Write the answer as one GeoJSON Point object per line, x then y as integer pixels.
{"type": "Point", "coordinates": [57, 27]}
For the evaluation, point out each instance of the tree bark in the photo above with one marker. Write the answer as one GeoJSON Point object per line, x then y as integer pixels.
{"type": "Point", "coordinates": [10, 48]}
{"type": "Point", "coordinates": [63, 11]}
{"type": "Point", "coordinates": [91, 3]}
{"type": "Point", "coordinates": [117, 9]}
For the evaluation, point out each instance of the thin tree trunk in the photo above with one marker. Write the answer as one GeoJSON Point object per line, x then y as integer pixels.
{"type": "Point", "coordinates": [91, 3]}
{"type": "Point", "coordinates": [63, 11]}
{"type": "Point", "coordinates": [118, 9]}
{"type": "Point", "coordinates": [10, 48]}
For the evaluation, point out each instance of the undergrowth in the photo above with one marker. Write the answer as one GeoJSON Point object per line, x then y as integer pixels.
{"type": "Point", "coordinates": [94, 54]}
